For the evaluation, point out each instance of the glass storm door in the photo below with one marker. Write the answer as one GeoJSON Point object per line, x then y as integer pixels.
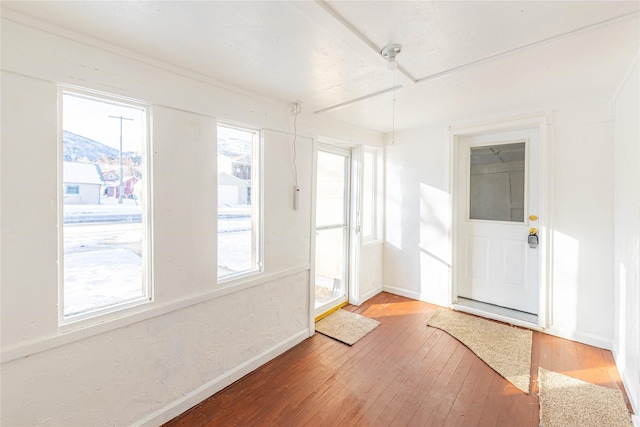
{"type": "Point", "coordinates": [332, 228]}
{"type": "Point", "coordinates": [497, 209]}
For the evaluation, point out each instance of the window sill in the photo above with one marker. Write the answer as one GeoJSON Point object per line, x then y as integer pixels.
{"type": "Point", "coordinates": [372, 242]}
{"type": "Point", "coordinates": [92, 318]}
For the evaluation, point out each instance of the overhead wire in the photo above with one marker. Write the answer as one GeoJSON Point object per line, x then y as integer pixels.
{"type": "Point", "coordinates": [393, 110]}
{"type": "Point", "coordinates": [296, 107]}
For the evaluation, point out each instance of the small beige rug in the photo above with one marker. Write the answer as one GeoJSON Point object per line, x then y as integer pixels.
{"type": "Point", "coordinates": [568, 402]}
{"type": "Point", "coordinates": [506, 349]}
{"type": "Point", "coordinates": [346, 326]}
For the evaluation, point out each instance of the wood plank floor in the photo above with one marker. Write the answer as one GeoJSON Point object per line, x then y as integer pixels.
{"type": "Point", "coordinates": [402, 373]}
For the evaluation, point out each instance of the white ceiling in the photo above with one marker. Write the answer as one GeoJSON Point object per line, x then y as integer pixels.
{"type": "Point", "coordinates": [469, 59]}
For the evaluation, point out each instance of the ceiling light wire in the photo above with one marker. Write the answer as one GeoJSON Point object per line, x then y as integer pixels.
{"type": "Point", "coordinates": [297, 108]}
{"type": "Point", "coordinates": [390, 52]}
{"type": "Point", "coordinates": [393, 110]}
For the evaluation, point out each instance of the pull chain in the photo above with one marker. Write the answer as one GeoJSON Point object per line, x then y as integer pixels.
{"type": "Point", "coordinates": [393, 110]}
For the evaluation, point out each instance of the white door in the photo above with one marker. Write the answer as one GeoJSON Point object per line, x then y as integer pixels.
{"type": "Point", "coordinates": [332, 228]}
{"type": "Point", "coordinates": [497, 207]}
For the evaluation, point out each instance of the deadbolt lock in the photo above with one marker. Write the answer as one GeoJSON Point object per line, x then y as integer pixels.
{"type": "Point", "coordinates": [533, 238]}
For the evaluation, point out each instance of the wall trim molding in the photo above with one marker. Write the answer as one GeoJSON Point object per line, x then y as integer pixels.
{"type": "Point", "coordinates": [372, 293]}
{"type": "Point", "coordinates": [582, 337]}
{"type": "Point", "coordinates": [211, 387]}
{"type": "Point", "coordinates": [623, 83]}
{"type": "Point", "coordinates": [402, 292]}
{"type": "Point", "coordinates": [633, 392]}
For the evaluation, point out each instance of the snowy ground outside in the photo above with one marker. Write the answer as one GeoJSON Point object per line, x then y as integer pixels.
{"type": "Point", "coordinates": [103, 252]}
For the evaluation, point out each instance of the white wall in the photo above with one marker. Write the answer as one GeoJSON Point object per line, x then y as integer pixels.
{"type": "Point", "coordinates": [582, 223]}
{"type": "Point", "coordinates": [370, 280]}
{"type": "Point", "coordinates": [626, 261]}
{"type": "Point", "coordinates": [417, 249]}
{"type": "Point", "coordinates": [417, 252]}
{"type": "Point", "coordinates": [153, 361]}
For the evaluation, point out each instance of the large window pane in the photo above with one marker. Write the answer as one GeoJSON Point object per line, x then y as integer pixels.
{"type": "Point", "coordinates": [238, 201]}
{"type": "Point", "coordinates": [369, 195]}
{"type": "Point", "coordinates": [330, 265]}
{"type": "Point", "coordinates": [104, 204]}
{"type": "Point", "coordinates": [332, 167]}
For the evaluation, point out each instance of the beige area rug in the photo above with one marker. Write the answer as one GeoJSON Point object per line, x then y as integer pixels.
{"type": "Point", "coordinates": [568, 402]}
{"type": "Point", "coordinates": [506, 349]}
{"type": "Point", "coordinates": [346, 326]}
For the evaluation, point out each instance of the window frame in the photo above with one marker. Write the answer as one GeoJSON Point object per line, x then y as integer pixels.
{"type": "Point", "coordinates": [375, 235]}
{"type": "Point", "coordinates": [101, 314]}
{"type": "Point", "coordinates": [257, 204]}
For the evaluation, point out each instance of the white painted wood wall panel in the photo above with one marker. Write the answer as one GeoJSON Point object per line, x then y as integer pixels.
{"type": "Point", "coordinates": [119, 377]}
{"type": "Point", "coordinates": [29, 210]}
{"type": "Point", "coordinates": [626, 267]}
{"type": "Point", "coordinates": [370, 270]}
{"type": "Point", "coordinates": [582, 223]}
{"type": "Point", "coordinates": [417, 250]}
{"type": "Point", "coordinates": [184, 166]}
{"type": "Point", "coordinates": [287, 231]}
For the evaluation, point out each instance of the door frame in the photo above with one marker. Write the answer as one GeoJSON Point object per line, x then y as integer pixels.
{"type": "Point", "coordinates": [538, 122]}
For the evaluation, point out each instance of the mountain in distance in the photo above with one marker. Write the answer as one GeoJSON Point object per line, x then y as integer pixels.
{"type": "Point", "coordinates": [80, 148]}
{"type": "Point", "coordinates": [76, 147]}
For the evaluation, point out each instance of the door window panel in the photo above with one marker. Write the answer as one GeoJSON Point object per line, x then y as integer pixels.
{"type": "Point", "coordinates": [330, 189]}
{"type": "Point", "coordinates": [497, 182]}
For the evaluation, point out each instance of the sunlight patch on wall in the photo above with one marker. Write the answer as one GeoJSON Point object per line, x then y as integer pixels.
{"type": "Point", "coordinates": [435, 246]}
{"type": "Point", "coordinates": [565, 279]}
{"type": "Point", "coordinates": [435, 222]}
{"type": "Point", "coordinates": [393, 210]}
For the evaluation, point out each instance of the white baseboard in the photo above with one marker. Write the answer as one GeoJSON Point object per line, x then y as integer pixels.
{"type": "Point", "coordinates": [401, 292]}
{"type": "Point", "coordinates": [585, 338]}
{"type": "Point", "coordinates": [179, 406]}
{"type": "Point", "coordinates": [631, 388]}
{"type": "Point", "coordinates": [372, 293]}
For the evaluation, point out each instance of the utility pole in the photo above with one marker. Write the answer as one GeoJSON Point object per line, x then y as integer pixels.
{"type": "Point", "coordinates": [121, 182]}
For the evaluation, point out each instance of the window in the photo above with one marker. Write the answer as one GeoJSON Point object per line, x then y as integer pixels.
{"type": "Point", "coordinates": [72, 189]}
{"type": "Point", "coordinates": [238, 202]}
{"type": "Point", "coordinates": [369, 199]}
{"type": "Point", "coordinates": [105, 232]}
